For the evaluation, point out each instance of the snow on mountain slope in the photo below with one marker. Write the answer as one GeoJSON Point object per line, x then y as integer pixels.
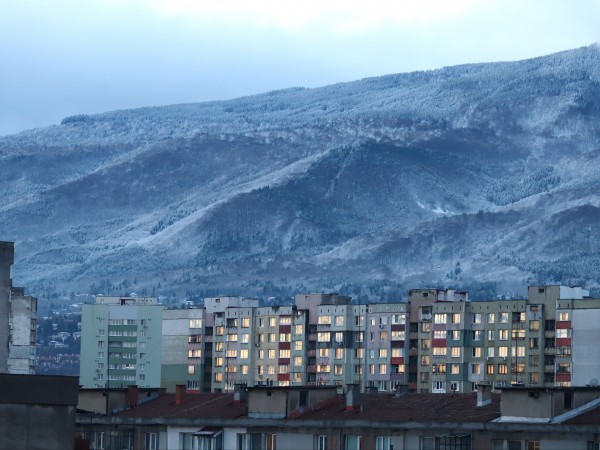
{"type": "Point", "coordinates": [484, 173]}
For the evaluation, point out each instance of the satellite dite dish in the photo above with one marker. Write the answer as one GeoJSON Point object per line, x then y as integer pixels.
{"type": "Point", "coordinates": [594, 382]}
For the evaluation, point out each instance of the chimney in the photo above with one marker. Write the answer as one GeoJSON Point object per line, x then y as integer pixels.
{"type": "Point", "coordinates": [484, 394]}
{"type": "Point", "coordinates": [240, 394]}
{"type": "Point", "coordinates": [353, 397]}
{"type": "Point", "coordinates": [132, 396]}
{"type": "Point", "coordinates": [180, 392]}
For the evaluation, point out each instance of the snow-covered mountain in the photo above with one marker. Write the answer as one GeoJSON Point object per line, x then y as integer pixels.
{"type": "Point", "coordinates": [481, 176]}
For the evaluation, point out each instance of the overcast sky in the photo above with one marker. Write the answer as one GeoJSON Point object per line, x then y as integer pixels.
{"type": "Point", "coordinates": [64, 57]}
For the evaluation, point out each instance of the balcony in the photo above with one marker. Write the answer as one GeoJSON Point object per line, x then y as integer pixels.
{"type": "Point", "coordinates": [550, 351]}
{"type": "Point", "coordinates": [413, 352]}
{"type": "Point", "coordinates": [549, 334]}
{"type": "Point", "coordinates": [549, 368]}
{"type": "Point", "coordinates": [413, 335]}
{"type": "Point", "coordinates": [312, 353]}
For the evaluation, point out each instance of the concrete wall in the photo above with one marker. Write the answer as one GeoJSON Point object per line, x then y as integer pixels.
{"type": "Point", "coordinates": [30, 427]}
{"type": "Point", "coordinates": [519, 403]}
{"type": "Point", "coordinates": [586, 351]}
{"type": "Point", "coordinates": [6, 261]}
{"type": "Point", "coordinates": [270, 403]}
{"type": "Point", "coordinates": [37, 412]}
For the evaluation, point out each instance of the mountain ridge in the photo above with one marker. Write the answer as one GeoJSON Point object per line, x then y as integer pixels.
{"type": "Point", "coordinates": [387, 173]}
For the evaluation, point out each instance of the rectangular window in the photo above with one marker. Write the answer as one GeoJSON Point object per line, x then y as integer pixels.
{"type": "Point", "coordinates": [456, 318]}
{"type": "Point", "coordinates": [490, 352]}
{"type": "Point", "coordinates": [503, 317]}
{"type": "Point", "coordinates": [439, 318]}
{"type": "Point", "coordinates": [439, 351]}
{"type": "Point", "coordinates": [324, 337]}
{"type": "Point", "coordinates": [456, 335]}
{"type": "Point", "coordinates": [503, 335]}
{"type": "Point", "coordinates": [321, 442]}
{"type": "Point", "coordinates": [563, 316]}
{"type": "Point", "coordinates": [195, 323]}
{"type": "Point", "coordinates": [502, 369]}
{"type": "Point", "coordinates": [477, 352]}
{"type": "Point", "coordinates": [383, 443]}
{"type": "Point", "coordinates": [398, 319]}
{"type": "Point", "coordinates": [242, 442]}
{"type": "Point", "coordinates": [353, 442]}
{"type": "Point", "coordinates": [339, 321]}
{"type": "Point", "coordinates": [491, 317]}
{"type": "Point", "coordinates": [490, 335]}
{"type": "Point", "coordinates": [503, 352]}
{"type": "Point", "coordinates": [324, 320]}
{"type": "Point", "coordinates": [534, 325]}
{"type": "Point", "coordinates": [489, 369]}
{"type": "Point", "coordinates": [297, 345]}
{"type": "Point", "coordinates": [151, 441]}
{"type": "Point", "coordinates": [477, 335]}
{"type": "Point", "coordinates": [456, 352]}
{"type": "Point", "coordinates": [382, 369]}
{"type": "Point", "coordinates": [245, 322]}
{"type": "Point", "coordinates": [563, 333]}
{"type": "Point", "coordinates": [298, 329]}
{"type": "Point", "coordinates": [455, 369]}
{"type": "Point", "coordinates": [285, 320]}
{"type": "Point", "coordinates": [272, 321]}
{"type": "Point", "coordinates": [339, 353]}
{"type": "Point", "coordinates": [477, 318]}
{"type": "Point", "coordinates": [270, 441]}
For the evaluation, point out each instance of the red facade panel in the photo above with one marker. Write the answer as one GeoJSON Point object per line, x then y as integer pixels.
{"type": "Point", "coordinates": [285, 328]}
{"type": "Point", "coordinates": [562, 377]}
{"type": "Point", "coordinates": [285, 345]}
{"type": "Point", "coordinates": [438, 343]}
{"type": "Point", "coordinates": [561, 325]}
{"type": "Point", "coordinates": [283, 377]}
{"type": "Point", "coordinates": [399, 360]}
{"type": "Point", "coordinates": [563, 342]}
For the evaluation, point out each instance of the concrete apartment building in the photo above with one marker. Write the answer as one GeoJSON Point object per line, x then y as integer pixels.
{"type": "Point", "coordinates": [439, 341]}
{"type": "Point", "coordinates": [183, 353]}
{"type": "Point", "coordinates": [18, 314]}
{"type": "Point", "coordinates": [121, 342]}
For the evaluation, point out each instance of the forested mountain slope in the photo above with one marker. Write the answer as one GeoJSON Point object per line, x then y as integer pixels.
{"type": "Point", "coordinates": [477, 176]}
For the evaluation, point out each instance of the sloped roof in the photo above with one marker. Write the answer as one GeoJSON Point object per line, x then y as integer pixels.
{"type": "Point", "coordinates": [194, 406]}
{"type": "Point", "coordinates": [411, 408]}
{"type": "Point", "coordinates": [591, 417]}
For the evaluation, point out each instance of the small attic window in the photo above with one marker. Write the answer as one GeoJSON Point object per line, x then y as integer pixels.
{"type": "Point", "coordinates": [541, 290]}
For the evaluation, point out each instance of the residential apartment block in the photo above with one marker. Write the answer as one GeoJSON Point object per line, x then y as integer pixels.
{"type": "Point", "coordinates": [121, 342]}
{"type": "Point", "coordinates": [18, 314]}
{"type": "Point", "coordinates": [439, 341]}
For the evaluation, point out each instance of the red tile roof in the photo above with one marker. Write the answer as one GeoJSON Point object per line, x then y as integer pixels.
{"type": "Point", "coordinates": [195, 406]}
{"type": "Point", "coordinates": [412, 408]}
